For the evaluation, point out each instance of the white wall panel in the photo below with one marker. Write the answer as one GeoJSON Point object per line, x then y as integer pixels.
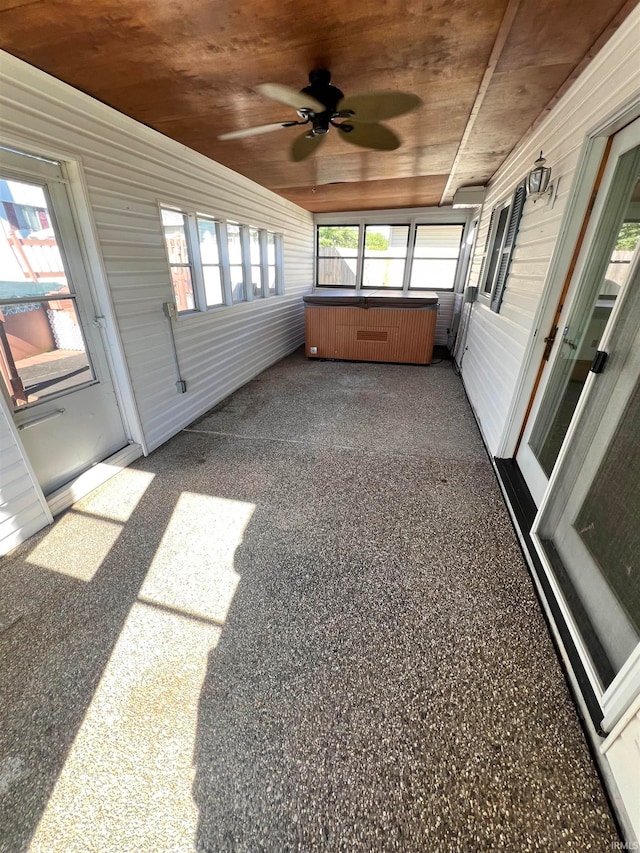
{"type": "Point", "coordinates": [496, 343]}
{"type": "Point", "coordinates": [446, 304]}
{"type": "Point", "coordinates": [22, 509]}
{"type": "Point", "coordinates": [126, 171]}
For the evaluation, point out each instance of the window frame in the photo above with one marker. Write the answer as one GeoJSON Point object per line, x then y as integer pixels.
{"type": "Point", "coordinates": [200, 265]}
{"type": "Point", "coordinates": [412, 217]}
{"type": "Point", "coordinates": [196, 265]}
{"type": "Point", "coordinates": [464, 228]}
{"type": "Point", "coordinates": [408, 259]}
{"type": "Point", "coordinates": [358, 258]}
{"type": "Point", "coordinates": [198, 297]}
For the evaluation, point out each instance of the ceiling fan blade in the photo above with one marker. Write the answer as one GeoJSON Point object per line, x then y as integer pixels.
{"type": "Point", "coordinates": [304, 146]}
{"type": "Point", "coordinates": [290, 97]}
{"type": "Point", "coordinates": [378, 106]}
{"type": "Point", "coordinates": [369, 135]}
{"type": "Point", "coordinates": [255, 131]}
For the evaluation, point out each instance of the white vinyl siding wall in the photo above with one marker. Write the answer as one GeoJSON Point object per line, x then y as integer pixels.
{"type": "Point", "coordinates": [496, 343]}
{"type": "Point", "coordinates": [128, 171]}
{"type": "Point", "coordinates": [22, 510]}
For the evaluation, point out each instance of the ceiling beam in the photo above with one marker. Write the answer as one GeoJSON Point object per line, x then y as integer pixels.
{"type": "Point", "coordinates": [498, 47]}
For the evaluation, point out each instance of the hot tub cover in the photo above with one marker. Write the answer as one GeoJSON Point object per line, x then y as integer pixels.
{"type": "Point", "coordinates": [372, 298]}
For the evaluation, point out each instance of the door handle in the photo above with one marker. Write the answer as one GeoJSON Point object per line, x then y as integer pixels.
{"type": "Point", "coordinates": [41, 419]}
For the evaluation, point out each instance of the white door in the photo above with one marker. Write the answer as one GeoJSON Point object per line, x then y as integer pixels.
{"type": "Point", "coordinates": [600, 278]}
{"type": "Point", "coordinates": [588, 529]}
{"type": "Point", "coordinates": [52, 358]}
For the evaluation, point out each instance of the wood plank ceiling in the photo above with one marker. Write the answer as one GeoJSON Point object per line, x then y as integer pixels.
{"type": "Point", "coordinates": [484, 69]}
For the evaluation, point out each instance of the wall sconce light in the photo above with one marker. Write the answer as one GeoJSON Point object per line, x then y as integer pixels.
{"type": "Point", "coordinates": [538, 180]}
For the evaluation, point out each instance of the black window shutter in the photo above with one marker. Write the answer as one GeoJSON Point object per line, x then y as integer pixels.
{"type": "Point", "coordinates": [519, 198]}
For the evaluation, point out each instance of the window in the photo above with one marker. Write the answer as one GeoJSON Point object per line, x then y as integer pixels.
{"type": "Point", "coordinates": [176, 240]}
{"type": "Point", "coordinates": [435, 257]}
{"type": "Point", "coordinates": [215, 263]}
{"type": "Point", "coordinates": [208, 243]}
{"type": "Point", "coordinates": [236, 268]}
{"type": "Point", "coordinates": [337, 255]}
{"type": "Point", "coordinates": [272, 268]}
{"type": "Point", "coordinates": [255, 256]}
{"type": "Point", "coordinates": [385, 255]}
{"type": "Point", "coordinates": [409, 255]}
{"type": "Point", "coordinates": [42, 345]}
{"type": "Point", "coordinates": [501, 238]}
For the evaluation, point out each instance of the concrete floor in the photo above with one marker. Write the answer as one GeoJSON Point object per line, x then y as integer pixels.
{"type": "Point", "coordinates": [302, 624]}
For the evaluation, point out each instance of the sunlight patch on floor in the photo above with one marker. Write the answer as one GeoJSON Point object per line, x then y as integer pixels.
{"type": "Point", "coordinates": [126, 784]}
{"type": "Point", "coordinates": [81, 539]}
{"type": "Point", "coordinates": [117, 498]}
{"type": "Point", "coordinates": [192, 570]}
{"type": "Point", "coordinates": [76, 546]}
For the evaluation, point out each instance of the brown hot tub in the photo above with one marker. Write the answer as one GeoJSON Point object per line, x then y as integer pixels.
{"type": "Point", "coordinates": [372, 325]}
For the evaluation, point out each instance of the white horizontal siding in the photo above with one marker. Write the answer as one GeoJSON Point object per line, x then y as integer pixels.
{"type": "Point", "coordinates": [128, 170]}
{"type": "Point", "coordinates": [622, 750]}
{"type": "Point", "coordinates": [446, 304]}
{"type": "Point", "coordinates": [21, 510]}
{"type": "Point", "coordinates": [496, 343]}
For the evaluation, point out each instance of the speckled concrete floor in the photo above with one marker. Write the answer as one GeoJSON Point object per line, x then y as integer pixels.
{"type": "Point", "coordinates": [304, 624]}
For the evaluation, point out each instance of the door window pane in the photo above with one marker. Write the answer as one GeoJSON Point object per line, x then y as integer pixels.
{"type": "Point", "coordinates": [609, 519]}
{"type": "Point", "coordinates": [42, 350]}
{"type": "Point", "coordinates": [30, 259]}
{"type": "Point", "coordinates": [580, 342]}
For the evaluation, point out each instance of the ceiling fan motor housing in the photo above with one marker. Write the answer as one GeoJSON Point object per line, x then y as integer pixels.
{"type": "Point", "coordinates": [321, 89]}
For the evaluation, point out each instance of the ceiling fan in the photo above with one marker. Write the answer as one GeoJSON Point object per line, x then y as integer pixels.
{"type": "Point", "coordinates": [320, 104]}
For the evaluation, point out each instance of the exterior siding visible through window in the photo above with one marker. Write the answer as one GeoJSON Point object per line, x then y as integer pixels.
{"type": "Point", "coordinates": [435, 257]}
{"type": "Point", "coordinates": [208, 239]}
{"type": "Point", "coordinates": [272, 271]}
{"type": "Point", "coordinates": [236, 267]}
{"type": "Point", "coordinates": [255, 257]}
